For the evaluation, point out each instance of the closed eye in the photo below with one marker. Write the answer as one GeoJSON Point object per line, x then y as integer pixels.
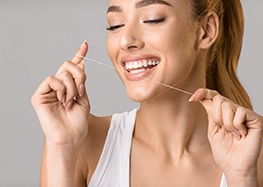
{"type": "Point", "coordinates": [154, 21]}
{"type": "Point", "coordinates": [112, 28]}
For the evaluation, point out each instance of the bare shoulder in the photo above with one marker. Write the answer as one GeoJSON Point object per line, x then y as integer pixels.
{"type": "Point", "coordinates": [260, 168]}
{"type": "Point", "coordinates": [92, 146]}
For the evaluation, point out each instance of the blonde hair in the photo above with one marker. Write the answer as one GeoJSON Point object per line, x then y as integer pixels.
{"type": "Point", "coordinates": [223, 57]}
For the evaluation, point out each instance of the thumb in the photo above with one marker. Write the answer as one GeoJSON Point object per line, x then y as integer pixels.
{"type": "Point", "coordinates": [205, 98]}
{"type": "Point", "coordinates": [212, 126]}
{"type": "Point", "coordinates": [207, 104]}
{"type": "Point", "coordinates": [80, 54]}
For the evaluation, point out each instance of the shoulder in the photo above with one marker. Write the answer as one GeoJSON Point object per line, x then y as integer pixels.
{"type": "Point", "coordinates": [260, 168]}
{"type": "Point", "coordinates": [92, 146]}
{"type": "Point", "coordinates": [98, 128]}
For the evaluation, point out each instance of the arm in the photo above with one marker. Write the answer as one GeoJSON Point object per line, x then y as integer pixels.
{"type": "Point", "coordinates": [253, 178]}
{"type": "Point", "coordinates": [89, 153]}
{"type": "Point", "coordinates": [43, 169]}
{"type": "Point", "coordinates": [79, 180]}
{"type": "Point", "coordinates": [260, 167]}
{"type": "Point", "coordinates": [62, 106]}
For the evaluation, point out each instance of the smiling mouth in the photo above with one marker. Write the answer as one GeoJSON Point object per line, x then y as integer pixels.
{"type": "Point", "coordinates": [138, 66]}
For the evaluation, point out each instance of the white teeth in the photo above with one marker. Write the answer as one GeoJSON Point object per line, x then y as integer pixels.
{"type": "Point", "coordinates": [140, 64]}
{"type": "Point", "coordinates": [135, 65]}
{"type": "Point", "coordinates": [137, 71]}
{"type": "Point", "coordinates": [145, 63]}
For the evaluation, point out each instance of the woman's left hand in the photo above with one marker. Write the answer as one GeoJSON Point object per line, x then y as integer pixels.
{"type": "Point", "coordinates": [234, 132]}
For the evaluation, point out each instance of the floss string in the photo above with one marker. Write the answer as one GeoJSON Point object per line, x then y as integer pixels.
{"type": "Point", "coordinates": [145, 78]}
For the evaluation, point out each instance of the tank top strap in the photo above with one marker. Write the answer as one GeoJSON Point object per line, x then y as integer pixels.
{"type": "Point", "coordinates": [113, 168]}
{"type": "Point", "coordinates": [223, 181]}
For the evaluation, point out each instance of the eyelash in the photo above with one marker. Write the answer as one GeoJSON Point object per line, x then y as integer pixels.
{"type": "Point", "coordinates": [153, 22]}
{"type": "Point", "coordinates": [112, 28]}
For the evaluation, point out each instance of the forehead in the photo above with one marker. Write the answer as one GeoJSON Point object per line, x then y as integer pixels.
{"type": "Point", "coordinates": [137, 4]}
{"type": "Point", "coordinates": [134, 2]}
{"type": "Point", "coordinates": [119, 5]}
{"type": "Point", "coordinates": [138, 1]}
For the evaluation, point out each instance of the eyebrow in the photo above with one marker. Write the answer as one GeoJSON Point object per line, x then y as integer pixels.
{"type": "Point", "coordinates": [114, 9]}
{"type": "Point", "coordinates": [139, 4]}
{"type": "Point", "coordinates": [144, 3]}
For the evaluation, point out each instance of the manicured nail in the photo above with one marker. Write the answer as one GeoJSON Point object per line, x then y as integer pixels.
{"type": "Point", "coordinates": [242, 134]}
{"type": "Point", "coordinates": [63, 99]}
{"type": "Point", "coordinates": [236, 135]}
{"type": "Point", "coordinates": [68, 106]}
{"type": "Point", "coordinates": [81, 90]}
{"type": "Point", "coordinates": [192, 98]}
{"type": "Point", "coordinates": [84, 43]}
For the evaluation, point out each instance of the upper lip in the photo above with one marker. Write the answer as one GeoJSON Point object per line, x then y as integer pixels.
{"type": "Point", "coordinates": [130, 58]}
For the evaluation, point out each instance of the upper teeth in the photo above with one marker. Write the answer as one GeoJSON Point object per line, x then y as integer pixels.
{"type": "Point", "coordinates": [140, 64]}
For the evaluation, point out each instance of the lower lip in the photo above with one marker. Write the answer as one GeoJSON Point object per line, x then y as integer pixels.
{"type": "Point", "coordinates": [138, 76]}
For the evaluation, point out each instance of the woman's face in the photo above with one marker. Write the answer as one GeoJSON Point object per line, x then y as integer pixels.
{"type": "Point", "coordinates": [153, 39]}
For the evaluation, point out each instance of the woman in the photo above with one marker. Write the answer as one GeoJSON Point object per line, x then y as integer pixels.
{"type": "Point", "coordinates": [212, 138]}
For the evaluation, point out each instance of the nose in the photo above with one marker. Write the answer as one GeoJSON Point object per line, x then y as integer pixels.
{"type": "Point", "coordinates": [131, 38]}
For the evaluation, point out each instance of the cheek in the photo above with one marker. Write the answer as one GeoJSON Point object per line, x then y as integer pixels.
{"type": "Point", "coordinates": [182, 44]}
{"type": "Point", "coordinates": [180, 52]}
{"type": "Point", "coordinates": [112, 48]}
{"type": "Point", "coordinates": [173, 38]}
{"type": "Point", "coordinates": [113, 51]}
{"type": "Point", "coordinates": [183, 41]}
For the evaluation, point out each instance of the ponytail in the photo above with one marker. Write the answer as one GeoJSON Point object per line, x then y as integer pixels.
{"type": "Point", "coordinates": [223, 56]}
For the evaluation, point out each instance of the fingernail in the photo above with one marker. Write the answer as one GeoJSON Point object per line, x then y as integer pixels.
{"type": "Point", "coordinates": [192, 98]}
{"type": "Point", "coordinates": [63, 100]}
{"type": "Point", "coordinates": [242, 134]}
{"type": "Point", "coordinates": [84, 43]}
{"type": "Point", "coordinates": [81, 90]}
{"type": "Point", "coordinates": [236, 135]}
{"type": "Point", "coordinates": [69, 105]}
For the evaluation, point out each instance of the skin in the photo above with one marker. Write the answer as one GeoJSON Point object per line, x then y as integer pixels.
{"type": "Point", "coordinates": [173, 138]}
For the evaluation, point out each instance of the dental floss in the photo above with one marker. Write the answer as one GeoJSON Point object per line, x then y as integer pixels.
{"type": "Point", "coordinates": [145, 78]}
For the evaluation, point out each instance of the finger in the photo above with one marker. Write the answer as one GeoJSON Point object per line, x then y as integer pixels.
{"type": "Point", "coordinates": [68, 66]}
{"type": "Point", "coordinates": [82, 51]}
{"type": "Point", "coordinates": [241, 120]}
{"type": "Point", "coordinates": [203, 93]}
{"type": "Point", "coordinates": [83, 100]}
{"type": "Point", "coordinates": [212, 102]}
{"type": "Point", "coordinates": [217, 109]}
{"type": "Point", "coordinates": [52, 84]}
{"type": "Point", "coordinates": [205, 97]}
{"type": "Point", "coordinates": [71, 90]}
{"type": "Point", "coordinates": [78, 75]}
{"type": "Point", "coordinates": [228, 117]}
{"type": "Point", "coordinates": [214, 116]}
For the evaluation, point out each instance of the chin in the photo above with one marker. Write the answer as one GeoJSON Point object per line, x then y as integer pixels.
{"type": "Point", "coordinates": [138, 94]}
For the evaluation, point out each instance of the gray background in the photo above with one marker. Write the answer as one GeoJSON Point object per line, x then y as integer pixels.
{"type": "Point", "coordinates": [36, 37]}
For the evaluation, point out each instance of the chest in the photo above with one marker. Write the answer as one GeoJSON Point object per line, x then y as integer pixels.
{"type": "Point", "coordinates": [149, 170]}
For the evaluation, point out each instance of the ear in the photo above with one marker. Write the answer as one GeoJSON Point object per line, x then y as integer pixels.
{"type": "Point", "coordinates": [209, 30]}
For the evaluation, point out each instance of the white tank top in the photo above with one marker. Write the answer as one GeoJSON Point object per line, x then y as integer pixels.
{"type": "Point", "coordinates": [113, 169]}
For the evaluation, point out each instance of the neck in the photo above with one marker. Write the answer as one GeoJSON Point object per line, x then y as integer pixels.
{"type": "Point", "coordinates": [172, 128]}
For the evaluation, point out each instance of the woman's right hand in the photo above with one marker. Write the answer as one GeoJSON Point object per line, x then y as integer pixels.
{"type": "Point", "coordinates": [62, 104]}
